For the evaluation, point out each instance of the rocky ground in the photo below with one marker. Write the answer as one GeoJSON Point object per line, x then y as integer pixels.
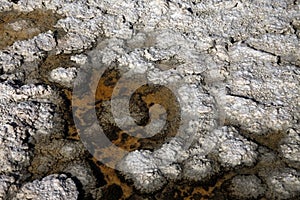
{"type": "Point", "coordinates": [229, 76]}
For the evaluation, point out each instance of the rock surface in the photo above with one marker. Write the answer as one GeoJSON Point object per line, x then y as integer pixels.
{"type": "Point", "coordinates": [51, 187]}
{"type": "Point", "coordinates": [254, 188]}
{"type": "Point", "coordinates": [233, 65]}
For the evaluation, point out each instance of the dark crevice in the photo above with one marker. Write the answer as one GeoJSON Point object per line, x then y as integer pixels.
{"type": "Point", "coordinates": [79, 186]}
{"type": "Point", "coordinates": [244, 97]}
{"type": "Point", "coordinates": [293, 27]}
{"type": "Point", "coordinates": [112, 192]}
{"type": "Point", "coordinates": [190, 10]}
{"type": "Point", "coordinates": [235, 5]}
{"type": "Point", "coordinates": [15, 1]}
{"type": "Point", "coordinates": [232, 40]}
{"type": "Point", "coordinates": [251, 99]}
{"type": "Point", "coordinates": [55, 36]}
{"type": "Point", "coordinates": [97, 173]}
{"type": "Point", "coordinates": [278, 60]}
{"type": "Point", "coordinates": [261, 50]}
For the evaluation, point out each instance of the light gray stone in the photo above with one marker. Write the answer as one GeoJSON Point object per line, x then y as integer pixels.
{"type": "Point", "coordinates": [290, 148]}
{"type": "Point", "coordinates": [234, 63]}
{"type": "Point", "coordinates": [6, 186]}
{"type": "Point", "coordinates": [27, 116]}
{"type": "Point", "coordinates": [246, 187]}
{"type": "Point", "coordinates": [283, 184]}
{"type": "Point", "coordinates": [142, 169]}
{"type": "Point", "coordinates": [51, 187]}
{"type": "Point", "coordinates": [63, 76]}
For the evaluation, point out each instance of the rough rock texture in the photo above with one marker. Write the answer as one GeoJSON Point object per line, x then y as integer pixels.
{"type": "Point", "coordinates": [234, 66]}
{"type": "Point", "coordinates": [222, 149]}
{"type": "Point", "coordinates": [290, 148]}
{"type": "Point", "coordinates": [57, 152]}
{"type": "Point", "coordinates": [7, 186]}
{"type": "Point", "coordinates": [51, 187]}
{"type": "Point", "coordinates": [27, 116]}
{"type": "Point", "coordinates": [144, 171]}
{"type": "Point", "coordinates": [283, 184]}
{"type": "Point", "coordinates": [20, 60]}
{"type": "Point", "coordinates": [246, 187]}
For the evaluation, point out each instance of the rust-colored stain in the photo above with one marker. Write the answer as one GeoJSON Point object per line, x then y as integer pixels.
{"type": "Point", "coordinates": [111, 177]}
{"type": "Point", "coordinates": [15, 25]}
{"type": "Point", "coordinates": [209, 192]}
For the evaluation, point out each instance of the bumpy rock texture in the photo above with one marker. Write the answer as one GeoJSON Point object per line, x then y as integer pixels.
{"type": "Point", "coordinates": [233, 64]}
{"type": "Point", "coordinates": [50, 187]}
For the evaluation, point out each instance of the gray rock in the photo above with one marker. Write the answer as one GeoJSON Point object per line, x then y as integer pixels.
{"type": "Point", "coordinates": [83, 173]}
{"type": "Point", "coordinates": [14, 60]}
{"type": "Point", "coordinates": [233, 63]}
{"type": "Point", "coordinates": [285, 46]}
{"type": "Point", "coordinates": [79, 59]}
{"type": "Point", "coordinates": [34, 48]}
{"type": "Point", "coordinates": [259, 88]}
{"type": "Point", "coordinates": [6, 186]}
{"type": "Point", "coordinates": [223, 147]}
{"type": "Point", "coordinates": [290, 148]}
{"type": "Point", "coordinates": [59, 153]}
{"type": "Point", "coordinates": [51, 187]}
{"type": "Point", "coordinates": [5, 5]}
{"type": "Point", "coordinates": [142, 169]}
{"type": "Point", "coordinates": [246, 187]}
{"type": "Point", "coordinates": [27, 116]}
{"type": "Point", "coordinates": [235, 150]}
{"type": "Point", "coordinates": [283, 184]}
{"type": "Point", "coordinates": [199, 168]}
{"type": "Point", "coordinates": [9, 61]}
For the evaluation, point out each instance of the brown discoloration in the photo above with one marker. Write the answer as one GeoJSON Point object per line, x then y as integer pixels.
{"type": "Point", "coordinates": [271, 139]}
{"type": "Point", "coordinates": [149, 95]}
{"type": "Point", "coordinates": [193, 191]}
{"type": "Point", "coordinates": [30, 24]}
{"type": "Point", "coordinates": [106, 85]}
{"type": "Point", "coordinates": [111, 177]}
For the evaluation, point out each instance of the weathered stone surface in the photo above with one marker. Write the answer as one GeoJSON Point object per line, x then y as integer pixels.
{"type": "Point", "coordinates": [143, 170]}
{"type": "Point", "coordinates": [246, 187]}
{"type": "Point", "coordinates": [6, 186]}
{"type": "Point", "coordinates": [290, 148]}
{"type": "Point", "coordinates": [27, 116]}
{"type": "Point", "coordinates": [83, 173]}
{"type": "Point", "coordinates": [18, 61]}
{"type": "Point", "coordinates": [51, 187]}
{"type": "Point", "coordinates": [5, 5]}
{"type": "Point", "coordinates": [55, 153]}
{"type": "Point", "coordinates": [234, 65]}
{"type": "Point", "coordinates": [79, 59]}
{"type": "Point", "coordinates": [283, 184]}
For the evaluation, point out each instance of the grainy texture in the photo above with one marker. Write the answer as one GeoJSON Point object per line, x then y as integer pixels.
{"type": "Point", "coordinates": [52, 187]}
{"type": "Point", "coordinates": [234, 66]}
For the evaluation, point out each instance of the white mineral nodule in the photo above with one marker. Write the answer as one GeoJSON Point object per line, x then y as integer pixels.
{"type": "Point", "coordinates": [63, 76]}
